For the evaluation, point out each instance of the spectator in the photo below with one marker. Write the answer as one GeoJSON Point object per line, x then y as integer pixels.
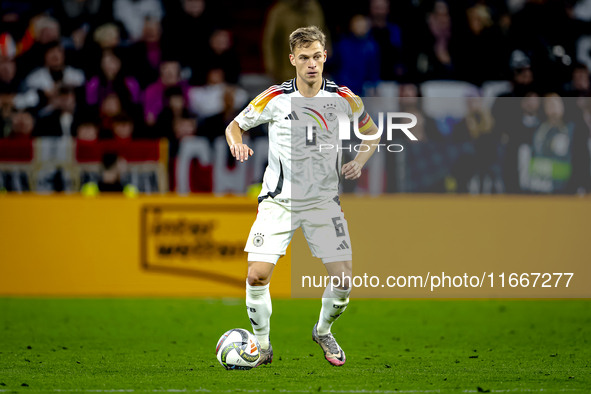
{"type": "Point", "coordinates": [488, 51]}
{"type": "Point", "coordinates": [523, 76]}
{"type": "Point", "coordinates": [437, 59]}
{"type": "Point", "coordinates": [123, 128]}
{"type": "Point", "coordinates": [192, 22]}
{"type": "Point", "coordinates": [357, 57]}
{"type": "Point", "coordinates": [7, 46]}
{"type": "Point", "coordinates": [216, 103]}
{"type": "Point", "coordinates": [411, 102]}
{"type": "Point", "coordinates": [56, 119]}
{"type": "Point", "coordinates": [155, 100]}
{"type": "Point", "coordinates": [134, 13]}
{"type": "Point", "coordinates": [184, 126]}
{"type": "Point", "coordinates": [113, 167]}
{"type": "Point", "coordinates": [579, 84]}
{"type": "Point", "coordinates": [112, 79]}
{"type": "Point", "coordinates": [145, 56]}
{"type": "Point", "coordinates": [42, 32]}
{"type": "Point", "coordinates": [522, 84]}
{"type": "Point", "coordinates": [78, 17]}
{"type": "Point", "coordinates": [7, 94]}
{"type": "Point", "coordinates": [517, 131]}
{"type": "Point", "coordinates": [54, 73]}
{"type": "Point", "coordinates": [478, 127]}
{"type": "Point", "coordinates": [9, 86]}
{"type": "Point", "coordinates": [87, 131]}
{"type": "Point", "coordinates": [208, 100]}
{"type": "Point", "coordinates": [584, 116]}
{"type": "Point", "coordinates": [108, 109]}
{"type": "Point", "coordinates": [15, 16]}
{"type": "Point", "coordinates": [219, 54]}
{"type": "Point", "coordinates": [107, 36]}
{"type": "Point", "coordinates": [112, 107]}
{"type": "Point", "coordinates": [547, 31]}
{"type": "Point", "coordinates": [477, 123]}
{"type": "Point", "coordinates": [23, 125]}
{"type": "Point", "coordinates": [284, 17]}
{"type": "Point", "coordinates": [559, 155]}
{"type": "Point", "coordinates": [176, 104]}
{"type": "Point", "coordinates": [10, 99]}
{"type": "Point", "coordinates": [388, 36]}
{"type": "Point", "coordinates": [8, 79]}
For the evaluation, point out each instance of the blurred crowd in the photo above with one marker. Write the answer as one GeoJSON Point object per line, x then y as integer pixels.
{"type": "Point", "coordinates": [120, 70]}
{"type": "Point", "coordinates": [124, 70]}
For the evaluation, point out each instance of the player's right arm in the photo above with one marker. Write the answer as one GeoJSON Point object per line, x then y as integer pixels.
{"type": "Point", "coordinates": [259, 111]}
{"type": "Point", "coordinates": [234, 138]}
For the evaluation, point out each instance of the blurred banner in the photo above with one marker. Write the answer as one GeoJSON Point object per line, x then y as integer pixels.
{"type": "Point", "coordinates": [117, 246]}
{"type": "Point", "coordinates": [202, 240]}
{"type": "Point", "coordinates": [193, 246]}
{"type": "Point", "coordinates": [65, 164]}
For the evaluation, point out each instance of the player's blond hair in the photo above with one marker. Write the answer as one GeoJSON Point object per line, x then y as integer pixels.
{"type": "Point", "coordinates": [305, 36]}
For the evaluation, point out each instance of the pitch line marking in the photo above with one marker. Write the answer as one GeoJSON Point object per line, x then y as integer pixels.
{"type": "Point", "coordinates": [200, 390]}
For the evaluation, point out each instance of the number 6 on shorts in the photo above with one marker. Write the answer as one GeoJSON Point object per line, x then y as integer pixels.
{"type": "Point", "coordinates": [340, 230]}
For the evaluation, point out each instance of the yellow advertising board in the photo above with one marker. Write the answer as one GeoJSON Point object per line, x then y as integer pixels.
{"type": "Point", "coordinates": [202, 240]}
{"type": "Point", "coordinates": [69, 245]}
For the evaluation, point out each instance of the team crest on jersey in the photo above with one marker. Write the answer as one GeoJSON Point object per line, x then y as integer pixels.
{"type": "Point", "coordinates": [330, 116]}
{"type": "Point", "coordinates": [258, 239]}
{"type": "Point", "coordinates": [247, 110]}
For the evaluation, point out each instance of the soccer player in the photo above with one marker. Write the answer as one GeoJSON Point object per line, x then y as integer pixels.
{"type": "Point", "coordinates": [289, 199]}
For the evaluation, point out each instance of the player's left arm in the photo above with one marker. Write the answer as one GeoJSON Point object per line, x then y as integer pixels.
{"type": "Point", "coordinates": [352, 170]}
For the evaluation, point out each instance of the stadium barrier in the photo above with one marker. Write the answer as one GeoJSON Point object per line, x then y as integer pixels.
{"type": "Point", "coordinates": [69, 245]}
{"type": "Point", "coordinates": [64, 164]}
{"type": "Point", "coordinates": [200, 166]}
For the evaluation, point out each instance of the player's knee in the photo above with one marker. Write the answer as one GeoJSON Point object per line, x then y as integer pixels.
{"type": "Point", "coordinates": [347, 272]}
{"type": "Point", "coordinates": [345, 276]}
{"type": "Point", "coordinates": [258, 278]}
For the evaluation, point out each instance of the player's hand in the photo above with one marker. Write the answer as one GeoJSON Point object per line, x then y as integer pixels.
{"type": "Point", "coordinates": [241, 152]}
{"type": "Point", "coordinates": [351, 170]}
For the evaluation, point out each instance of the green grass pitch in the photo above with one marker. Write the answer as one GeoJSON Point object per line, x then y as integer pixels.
{"type": "Point", "coordinates": [418, 346]}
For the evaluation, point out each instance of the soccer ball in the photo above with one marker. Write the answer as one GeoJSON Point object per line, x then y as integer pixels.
{"type": "Point", "coordinates": [238, 349]}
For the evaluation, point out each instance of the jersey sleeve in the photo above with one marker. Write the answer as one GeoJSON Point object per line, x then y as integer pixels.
{"type": "Point", "coordinates": [356, 109]}
{"type": "Point", "coordinates": [259, 110]}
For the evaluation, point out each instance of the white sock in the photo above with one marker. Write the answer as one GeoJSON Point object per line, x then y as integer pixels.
{"type": "Point", "coordinates": [334, 303]}
{"type": "Point", "coordinates": [258, 306]}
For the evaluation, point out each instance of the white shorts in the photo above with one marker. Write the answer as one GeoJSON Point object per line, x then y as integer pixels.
{"type": "Point", "coordinates": [324, 227]}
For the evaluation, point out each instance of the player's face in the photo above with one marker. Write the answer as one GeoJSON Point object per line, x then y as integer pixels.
{"type": "Point", "coordinates": [309, 62]}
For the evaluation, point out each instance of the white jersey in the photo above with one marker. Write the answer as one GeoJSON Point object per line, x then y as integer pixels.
{"type": "Point", "coordinates": [299, 173]}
